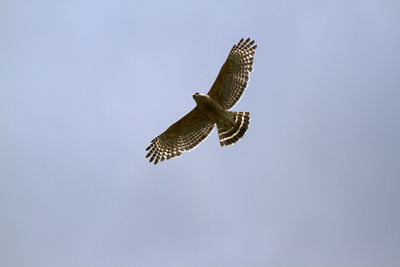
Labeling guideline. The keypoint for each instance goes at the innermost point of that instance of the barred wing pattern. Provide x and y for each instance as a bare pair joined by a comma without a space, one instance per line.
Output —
183,135
232,79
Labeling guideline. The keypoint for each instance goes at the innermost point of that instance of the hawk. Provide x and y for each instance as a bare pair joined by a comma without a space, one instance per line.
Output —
211,109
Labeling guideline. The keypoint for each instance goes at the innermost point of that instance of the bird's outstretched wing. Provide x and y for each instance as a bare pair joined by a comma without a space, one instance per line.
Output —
181,136
232,79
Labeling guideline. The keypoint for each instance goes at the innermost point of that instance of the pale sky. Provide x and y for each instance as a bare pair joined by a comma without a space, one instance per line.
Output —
86,85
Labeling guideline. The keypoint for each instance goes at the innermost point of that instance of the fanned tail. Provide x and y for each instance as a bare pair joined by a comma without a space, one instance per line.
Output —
229,136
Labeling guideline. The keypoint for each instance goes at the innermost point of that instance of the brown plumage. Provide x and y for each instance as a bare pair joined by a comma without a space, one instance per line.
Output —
211,109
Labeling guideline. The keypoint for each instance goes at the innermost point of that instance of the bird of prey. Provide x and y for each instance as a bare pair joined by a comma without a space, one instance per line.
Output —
211,109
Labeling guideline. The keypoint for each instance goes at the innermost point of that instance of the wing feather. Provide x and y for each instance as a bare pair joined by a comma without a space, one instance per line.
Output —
183,135
233,77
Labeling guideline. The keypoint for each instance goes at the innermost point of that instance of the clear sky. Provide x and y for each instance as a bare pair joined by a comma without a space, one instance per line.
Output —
86,85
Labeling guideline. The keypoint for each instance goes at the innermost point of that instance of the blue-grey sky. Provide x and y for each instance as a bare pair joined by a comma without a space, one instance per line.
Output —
86,85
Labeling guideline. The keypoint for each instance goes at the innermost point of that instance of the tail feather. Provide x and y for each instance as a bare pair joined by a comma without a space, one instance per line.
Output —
229,136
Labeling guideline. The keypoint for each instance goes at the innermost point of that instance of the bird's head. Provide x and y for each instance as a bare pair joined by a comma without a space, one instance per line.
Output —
196,96
199,97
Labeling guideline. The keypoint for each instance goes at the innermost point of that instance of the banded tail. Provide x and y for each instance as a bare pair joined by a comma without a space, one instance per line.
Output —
229,136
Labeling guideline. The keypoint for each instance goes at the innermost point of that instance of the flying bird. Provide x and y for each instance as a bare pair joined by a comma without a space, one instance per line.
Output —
211,109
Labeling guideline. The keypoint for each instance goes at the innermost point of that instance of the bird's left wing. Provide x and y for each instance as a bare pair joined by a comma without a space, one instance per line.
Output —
232,79
181,136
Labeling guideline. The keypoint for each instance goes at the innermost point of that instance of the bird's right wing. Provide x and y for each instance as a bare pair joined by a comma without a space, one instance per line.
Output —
181,136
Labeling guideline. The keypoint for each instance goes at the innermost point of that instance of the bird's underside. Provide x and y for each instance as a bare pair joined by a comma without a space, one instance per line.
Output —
211,109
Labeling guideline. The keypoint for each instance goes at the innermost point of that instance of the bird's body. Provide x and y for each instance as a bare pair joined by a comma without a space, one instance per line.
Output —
211,109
